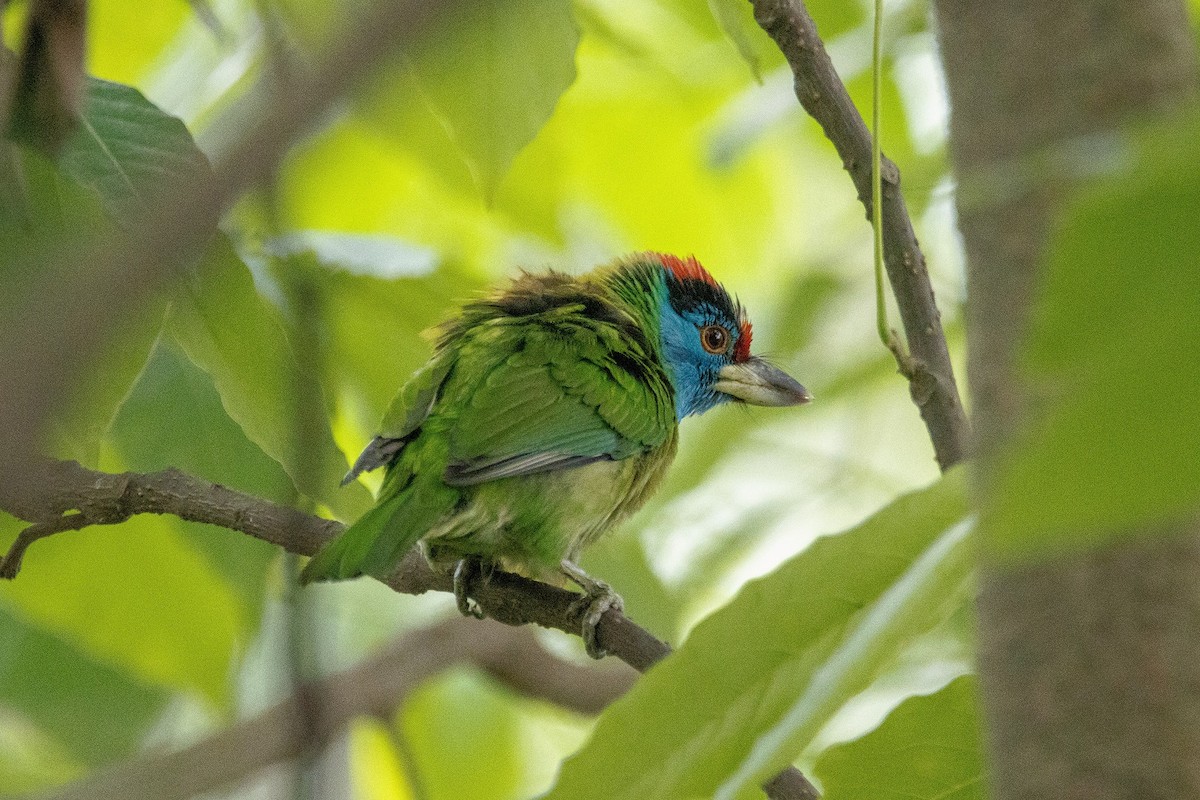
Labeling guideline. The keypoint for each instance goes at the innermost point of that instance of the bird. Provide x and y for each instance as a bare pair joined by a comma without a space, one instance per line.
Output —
547,414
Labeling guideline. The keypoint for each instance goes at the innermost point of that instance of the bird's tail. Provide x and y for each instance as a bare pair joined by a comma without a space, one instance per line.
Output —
345,556
376,543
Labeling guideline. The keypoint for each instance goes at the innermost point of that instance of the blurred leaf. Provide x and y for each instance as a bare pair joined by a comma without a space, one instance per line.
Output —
149,434
98,712
102,386
1112,357
774,664
804,299
31,760
128,150
731,17
622,561
376,772
489,75
55,214
835,17
232,333
134,596
463,738
929,748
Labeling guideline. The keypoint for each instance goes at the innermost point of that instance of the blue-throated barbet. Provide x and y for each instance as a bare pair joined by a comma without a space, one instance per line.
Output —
548,413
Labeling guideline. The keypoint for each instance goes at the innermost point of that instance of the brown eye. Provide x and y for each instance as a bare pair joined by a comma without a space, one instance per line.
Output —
715,339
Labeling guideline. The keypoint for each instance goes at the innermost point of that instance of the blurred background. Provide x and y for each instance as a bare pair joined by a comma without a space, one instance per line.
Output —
551,136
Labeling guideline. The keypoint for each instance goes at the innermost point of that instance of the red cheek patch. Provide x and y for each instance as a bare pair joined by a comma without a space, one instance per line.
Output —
742,351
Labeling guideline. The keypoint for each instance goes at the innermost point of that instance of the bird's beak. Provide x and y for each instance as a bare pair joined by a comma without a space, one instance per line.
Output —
756,382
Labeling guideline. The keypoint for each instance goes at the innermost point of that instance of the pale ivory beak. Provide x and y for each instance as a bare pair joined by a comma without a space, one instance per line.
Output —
756,382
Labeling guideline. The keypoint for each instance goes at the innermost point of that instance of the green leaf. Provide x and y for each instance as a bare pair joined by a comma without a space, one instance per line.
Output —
373,347
128,150
928,748
464,739
127,40
1112,359
135,596
31,760
96,711
731,18
102,386
774,664
231,332
483,81
55,215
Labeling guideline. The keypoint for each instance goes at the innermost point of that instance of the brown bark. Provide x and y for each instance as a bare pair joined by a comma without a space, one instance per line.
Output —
1090,680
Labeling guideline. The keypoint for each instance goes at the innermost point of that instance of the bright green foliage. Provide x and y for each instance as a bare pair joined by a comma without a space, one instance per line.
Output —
731,16
1113,360
774,664
930,748
464,738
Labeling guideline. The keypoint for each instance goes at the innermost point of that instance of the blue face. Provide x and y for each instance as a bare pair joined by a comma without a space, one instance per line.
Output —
699,336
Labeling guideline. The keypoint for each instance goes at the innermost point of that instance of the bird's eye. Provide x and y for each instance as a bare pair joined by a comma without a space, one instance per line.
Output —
715,339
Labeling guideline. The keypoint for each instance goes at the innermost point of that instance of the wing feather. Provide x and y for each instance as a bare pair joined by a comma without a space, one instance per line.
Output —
556,399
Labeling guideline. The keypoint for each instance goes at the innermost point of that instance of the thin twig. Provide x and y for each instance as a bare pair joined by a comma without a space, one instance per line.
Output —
824,97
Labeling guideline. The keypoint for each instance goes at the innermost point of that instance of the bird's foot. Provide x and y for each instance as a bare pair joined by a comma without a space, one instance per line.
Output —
598,597
470,574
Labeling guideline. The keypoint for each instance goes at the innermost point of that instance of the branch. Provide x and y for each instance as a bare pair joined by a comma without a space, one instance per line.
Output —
823,95
317,712
73,492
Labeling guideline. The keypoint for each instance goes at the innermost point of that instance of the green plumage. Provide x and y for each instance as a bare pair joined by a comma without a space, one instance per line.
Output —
545,416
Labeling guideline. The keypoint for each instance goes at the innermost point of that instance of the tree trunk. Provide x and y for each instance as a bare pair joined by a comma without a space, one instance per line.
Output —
1091,681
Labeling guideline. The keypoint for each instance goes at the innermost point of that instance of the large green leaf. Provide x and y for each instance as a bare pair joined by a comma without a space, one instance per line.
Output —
95,710
1113,360
929,748
773,665
231,332
128,150
483,82
136,596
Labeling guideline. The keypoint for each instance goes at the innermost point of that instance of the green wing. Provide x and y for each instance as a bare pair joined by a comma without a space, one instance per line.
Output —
404,416
564,396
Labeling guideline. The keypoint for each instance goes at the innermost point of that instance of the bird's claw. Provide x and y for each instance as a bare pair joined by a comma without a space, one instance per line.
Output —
469,574
598,597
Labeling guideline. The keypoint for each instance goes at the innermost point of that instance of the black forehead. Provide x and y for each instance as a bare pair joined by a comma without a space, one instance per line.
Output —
690,294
